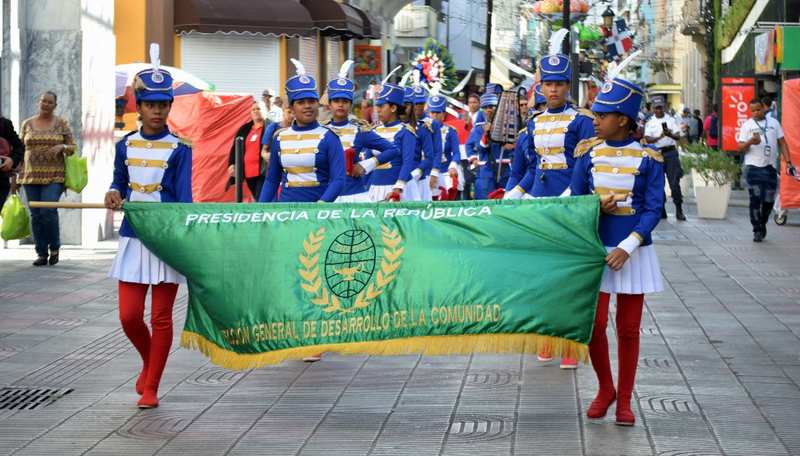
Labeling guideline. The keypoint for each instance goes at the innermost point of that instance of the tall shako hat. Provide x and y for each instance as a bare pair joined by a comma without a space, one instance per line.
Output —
342,87
301,86
556,66
390,93
153,84
619,95
436,102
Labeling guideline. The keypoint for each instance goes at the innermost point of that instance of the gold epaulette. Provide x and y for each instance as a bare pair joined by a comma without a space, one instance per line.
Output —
654,154
335,131
533,115
586,112
585,145
362,125
411,129
521,131
279,131
428,123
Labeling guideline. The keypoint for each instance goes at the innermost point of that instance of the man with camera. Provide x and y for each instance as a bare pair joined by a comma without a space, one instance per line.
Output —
761,141
663,132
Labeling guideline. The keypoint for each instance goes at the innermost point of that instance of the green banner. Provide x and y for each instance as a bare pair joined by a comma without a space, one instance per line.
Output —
269,282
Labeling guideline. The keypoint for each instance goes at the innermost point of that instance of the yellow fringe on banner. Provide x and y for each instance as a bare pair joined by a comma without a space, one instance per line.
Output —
528,344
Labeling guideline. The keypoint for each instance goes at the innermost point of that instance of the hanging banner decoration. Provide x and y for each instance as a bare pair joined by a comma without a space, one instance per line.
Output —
367,60
269,282
736,96
789,193
619,39
764,45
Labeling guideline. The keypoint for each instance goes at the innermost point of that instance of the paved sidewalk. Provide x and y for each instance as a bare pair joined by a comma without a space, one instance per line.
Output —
719,373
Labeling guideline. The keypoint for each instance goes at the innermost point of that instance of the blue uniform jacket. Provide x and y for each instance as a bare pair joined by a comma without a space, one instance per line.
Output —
635,174
451,152
363,139
155,168
553,135
307,162
397,166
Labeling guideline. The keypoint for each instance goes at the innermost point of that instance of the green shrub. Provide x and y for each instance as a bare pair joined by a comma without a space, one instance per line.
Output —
711,164
728,26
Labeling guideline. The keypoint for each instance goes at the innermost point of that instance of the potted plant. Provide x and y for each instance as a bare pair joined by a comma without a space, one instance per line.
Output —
713,171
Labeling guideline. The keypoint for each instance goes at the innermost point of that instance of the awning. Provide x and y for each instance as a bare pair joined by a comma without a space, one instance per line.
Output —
372,28
273,17
335,19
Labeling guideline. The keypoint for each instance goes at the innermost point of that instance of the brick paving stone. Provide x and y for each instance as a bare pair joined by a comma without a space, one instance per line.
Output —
719,373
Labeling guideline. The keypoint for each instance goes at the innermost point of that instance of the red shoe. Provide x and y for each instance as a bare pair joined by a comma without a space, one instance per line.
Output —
599,406
569,363
625,415
149,399
140,382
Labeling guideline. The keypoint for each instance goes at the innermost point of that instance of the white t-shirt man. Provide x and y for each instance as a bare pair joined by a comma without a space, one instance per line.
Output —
653,128
764,153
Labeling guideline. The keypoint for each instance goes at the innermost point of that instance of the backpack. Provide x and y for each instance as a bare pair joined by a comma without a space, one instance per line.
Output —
713,127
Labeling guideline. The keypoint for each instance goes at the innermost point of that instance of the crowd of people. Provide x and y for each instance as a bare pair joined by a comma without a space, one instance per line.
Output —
413,153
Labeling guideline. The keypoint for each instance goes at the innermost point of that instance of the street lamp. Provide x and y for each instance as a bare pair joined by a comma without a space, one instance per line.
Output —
608,17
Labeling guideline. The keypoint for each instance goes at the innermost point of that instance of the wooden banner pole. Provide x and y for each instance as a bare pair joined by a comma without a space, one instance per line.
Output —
65,205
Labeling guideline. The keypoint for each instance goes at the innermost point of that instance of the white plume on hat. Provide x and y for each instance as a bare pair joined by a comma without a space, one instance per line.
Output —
386,79
556,39
617,70
155,58
299,67
345,69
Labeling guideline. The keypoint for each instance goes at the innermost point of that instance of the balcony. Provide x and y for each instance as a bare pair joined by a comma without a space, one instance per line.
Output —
692,14
416,22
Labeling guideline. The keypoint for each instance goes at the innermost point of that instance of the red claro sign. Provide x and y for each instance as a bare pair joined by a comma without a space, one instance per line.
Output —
736,96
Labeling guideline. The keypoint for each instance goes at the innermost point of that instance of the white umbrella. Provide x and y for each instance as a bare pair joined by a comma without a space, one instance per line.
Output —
125,74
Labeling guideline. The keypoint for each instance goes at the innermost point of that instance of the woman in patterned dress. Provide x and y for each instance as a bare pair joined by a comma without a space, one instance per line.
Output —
48,139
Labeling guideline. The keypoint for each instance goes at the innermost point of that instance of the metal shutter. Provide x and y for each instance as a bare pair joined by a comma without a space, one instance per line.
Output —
308,56
332,60
233,63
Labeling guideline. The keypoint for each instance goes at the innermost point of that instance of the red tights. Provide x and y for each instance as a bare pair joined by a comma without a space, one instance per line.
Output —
154,348
629,317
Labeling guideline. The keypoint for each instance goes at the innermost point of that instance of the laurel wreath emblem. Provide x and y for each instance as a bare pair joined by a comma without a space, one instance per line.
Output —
312,282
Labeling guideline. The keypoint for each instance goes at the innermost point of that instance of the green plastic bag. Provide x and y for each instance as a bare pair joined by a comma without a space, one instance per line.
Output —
16,220
76,173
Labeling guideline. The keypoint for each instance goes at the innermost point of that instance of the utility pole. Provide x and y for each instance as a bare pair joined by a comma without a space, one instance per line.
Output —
567,49
487,56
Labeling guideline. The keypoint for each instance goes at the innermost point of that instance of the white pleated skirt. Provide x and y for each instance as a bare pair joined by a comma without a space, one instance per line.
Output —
641,274
355,198
378,193
135,263
424,186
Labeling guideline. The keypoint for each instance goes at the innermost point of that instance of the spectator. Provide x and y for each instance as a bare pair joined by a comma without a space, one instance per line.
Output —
648,111
711,128
699,118
761,141
278,102
474,105
663,131
254,165
10,161
366,109
692,126
271,112
47,140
